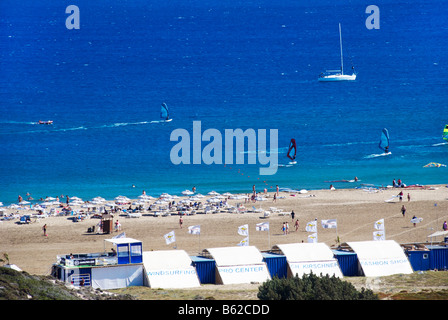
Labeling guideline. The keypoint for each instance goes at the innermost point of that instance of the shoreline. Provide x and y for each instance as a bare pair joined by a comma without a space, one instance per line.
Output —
356,210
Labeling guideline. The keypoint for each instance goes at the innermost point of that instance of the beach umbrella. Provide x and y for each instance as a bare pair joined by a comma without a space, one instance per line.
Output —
50,203
110,204
24,202
160,201
121,198
145,197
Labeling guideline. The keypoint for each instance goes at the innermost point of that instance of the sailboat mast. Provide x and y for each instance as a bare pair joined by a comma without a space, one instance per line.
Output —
340,44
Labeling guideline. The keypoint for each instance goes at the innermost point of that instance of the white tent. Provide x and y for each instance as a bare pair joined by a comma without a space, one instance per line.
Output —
239,265
116,277
304,258
381,258
438,234
169,269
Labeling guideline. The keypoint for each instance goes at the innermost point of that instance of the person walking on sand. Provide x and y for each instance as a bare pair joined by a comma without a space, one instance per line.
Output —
44,228
181,222
409,197
403,210
297,224
414,217
445,226
292,215
117,226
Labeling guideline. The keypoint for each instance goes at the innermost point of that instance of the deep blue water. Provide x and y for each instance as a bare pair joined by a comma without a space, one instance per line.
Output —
229,64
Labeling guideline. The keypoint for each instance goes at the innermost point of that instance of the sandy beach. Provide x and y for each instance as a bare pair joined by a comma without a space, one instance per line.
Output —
356,210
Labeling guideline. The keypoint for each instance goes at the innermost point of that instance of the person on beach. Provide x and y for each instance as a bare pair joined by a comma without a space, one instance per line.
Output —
409,197
292,215
403,210
414,217
44,228
275,197
297,224
117,226
445,226
400,195
181,222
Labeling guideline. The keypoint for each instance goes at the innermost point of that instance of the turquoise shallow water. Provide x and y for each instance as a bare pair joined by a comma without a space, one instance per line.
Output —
248,65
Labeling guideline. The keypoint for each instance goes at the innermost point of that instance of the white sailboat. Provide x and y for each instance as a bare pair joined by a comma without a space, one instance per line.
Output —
338,75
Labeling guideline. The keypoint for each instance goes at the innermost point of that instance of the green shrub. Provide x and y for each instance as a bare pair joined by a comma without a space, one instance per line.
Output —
312,287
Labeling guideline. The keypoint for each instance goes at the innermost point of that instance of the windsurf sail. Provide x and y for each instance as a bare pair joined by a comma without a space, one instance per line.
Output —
164,112
384,141
292,151
445,133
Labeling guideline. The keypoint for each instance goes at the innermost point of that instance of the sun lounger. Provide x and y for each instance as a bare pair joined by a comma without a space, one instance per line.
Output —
266,215
134,215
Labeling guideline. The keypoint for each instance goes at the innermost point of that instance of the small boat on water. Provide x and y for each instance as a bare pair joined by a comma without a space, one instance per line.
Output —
338,75
45,122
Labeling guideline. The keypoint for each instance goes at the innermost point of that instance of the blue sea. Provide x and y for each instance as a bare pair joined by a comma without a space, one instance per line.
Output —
229,64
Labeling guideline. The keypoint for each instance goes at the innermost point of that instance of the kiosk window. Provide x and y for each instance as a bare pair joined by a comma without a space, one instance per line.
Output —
136,250
123,251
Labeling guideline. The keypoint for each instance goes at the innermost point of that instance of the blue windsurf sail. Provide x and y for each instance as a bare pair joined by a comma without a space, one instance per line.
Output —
292,151
164,112
384,141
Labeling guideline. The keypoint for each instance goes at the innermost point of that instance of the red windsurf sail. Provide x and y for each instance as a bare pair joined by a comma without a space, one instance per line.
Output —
292,151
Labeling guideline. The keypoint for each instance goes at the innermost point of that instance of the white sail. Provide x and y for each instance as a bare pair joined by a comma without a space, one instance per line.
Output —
338,75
